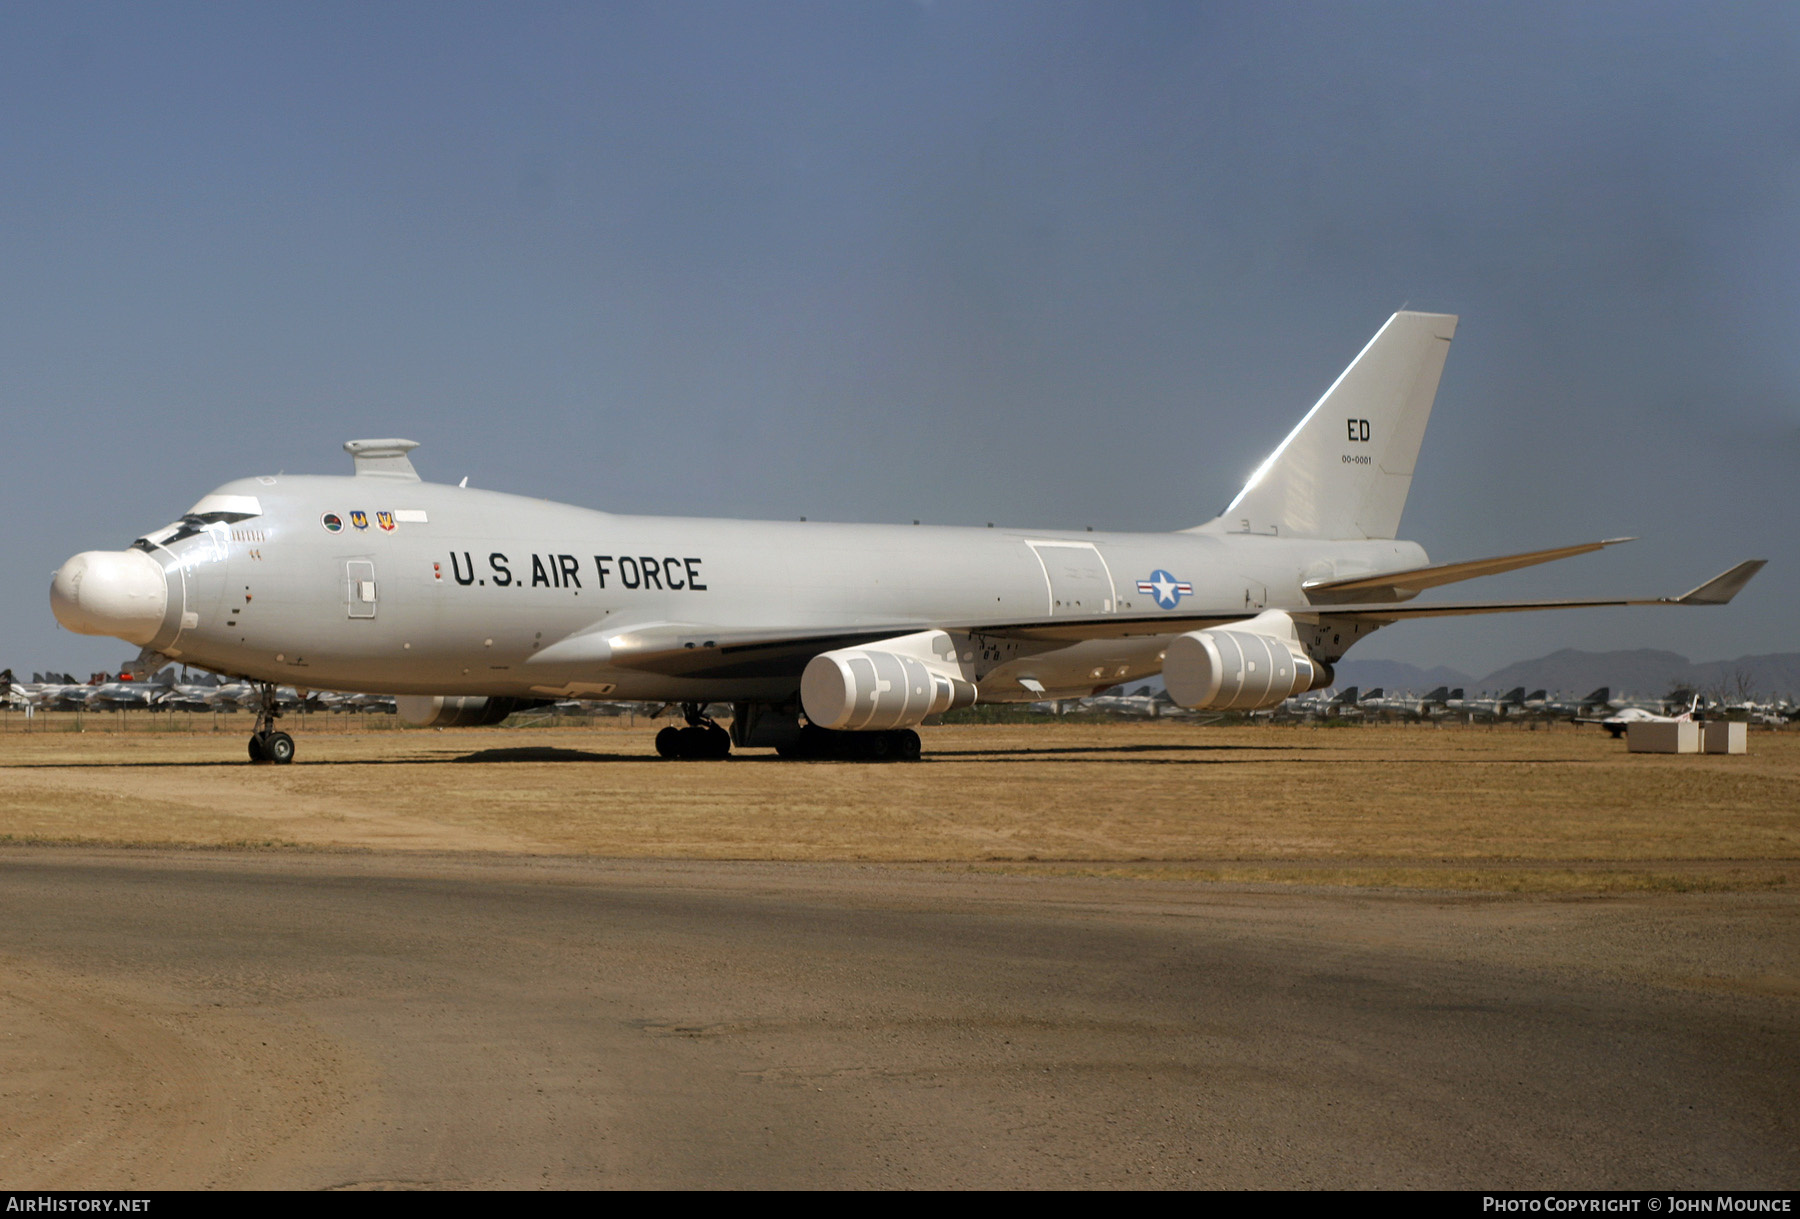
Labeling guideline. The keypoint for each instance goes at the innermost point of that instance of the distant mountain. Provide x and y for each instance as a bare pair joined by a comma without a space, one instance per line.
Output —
1641,671
1644,672
1648,672
1397,675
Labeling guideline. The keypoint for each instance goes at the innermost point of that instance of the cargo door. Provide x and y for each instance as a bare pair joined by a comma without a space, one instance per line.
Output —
1079,581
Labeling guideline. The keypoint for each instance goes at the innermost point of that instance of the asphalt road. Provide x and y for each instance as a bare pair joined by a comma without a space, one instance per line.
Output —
363,1020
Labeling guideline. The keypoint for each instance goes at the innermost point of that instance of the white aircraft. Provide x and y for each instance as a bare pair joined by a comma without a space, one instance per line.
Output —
1620,721
827,640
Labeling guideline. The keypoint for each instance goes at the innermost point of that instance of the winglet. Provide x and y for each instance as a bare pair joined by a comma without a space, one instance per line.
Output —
1722,588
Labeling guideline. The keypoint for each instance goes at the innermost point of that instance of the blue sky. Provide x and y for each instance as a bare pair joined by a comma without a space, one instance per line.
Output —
1041,264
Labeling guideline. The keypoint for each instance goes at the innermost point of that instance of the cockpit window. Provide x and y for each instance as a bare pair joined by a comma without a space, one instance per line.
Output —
213,510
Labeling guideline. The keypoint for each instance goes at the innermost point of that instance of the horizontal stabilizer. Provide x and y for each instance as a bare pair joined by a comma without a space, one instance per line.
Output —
1400,585
1716,591
1721,589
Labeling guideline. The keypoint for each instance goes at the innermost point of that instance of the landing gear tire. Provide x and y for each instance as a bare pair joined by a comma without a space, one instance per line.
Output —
266,744
697,743
276,747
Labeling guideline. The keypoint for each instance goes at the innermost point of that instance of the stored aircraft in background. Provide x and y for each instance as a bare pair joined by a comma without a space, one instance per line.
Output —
1494,706
1405,705
1596,699
826,639
121,693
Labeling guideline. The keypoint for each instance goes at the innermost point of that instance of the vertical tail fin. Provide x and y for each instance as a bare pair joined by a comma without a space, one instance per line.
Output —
1344,472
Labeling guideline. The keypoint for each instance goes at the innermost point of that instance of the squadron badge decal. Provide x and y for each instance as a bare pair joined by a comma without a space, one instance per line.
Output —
360,519
385,520
331,522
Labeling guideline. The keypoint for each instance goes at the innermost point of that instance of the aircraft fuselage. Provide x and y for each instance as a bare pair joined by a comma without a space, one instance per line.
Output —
389,586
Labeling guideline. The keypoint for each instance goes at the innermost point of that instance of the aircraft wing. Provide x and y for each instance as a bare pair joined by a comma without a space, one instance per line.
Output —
697,650
687,649
1717,591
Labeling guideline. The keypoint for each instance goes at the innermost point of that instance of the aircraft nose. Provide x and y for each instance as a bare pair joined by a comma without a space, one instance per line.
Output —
122,593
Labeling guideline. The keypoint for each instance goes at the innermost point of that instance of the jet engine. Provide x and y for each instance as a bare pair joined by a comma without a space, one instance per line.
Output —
878,688
1241,669
458,710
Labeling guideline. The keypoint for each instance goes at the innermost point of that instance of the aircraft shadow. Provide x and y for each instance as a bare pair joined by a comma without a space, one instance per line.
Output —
1050,750
529,754
491,755
547,753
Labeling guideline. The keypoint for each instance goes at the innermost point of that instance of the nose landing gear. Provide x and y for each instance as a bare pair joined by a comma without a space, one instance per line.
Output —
266,744
275,747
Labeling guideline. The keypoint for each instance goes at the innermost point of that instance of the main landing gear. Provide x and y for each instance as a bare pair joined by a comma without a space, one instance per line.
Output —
701,741
822,744
761,725
266,744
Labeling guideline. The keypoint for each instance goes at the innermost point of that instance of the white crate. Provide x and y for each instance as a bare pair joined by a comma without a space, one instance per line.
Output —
1663,736
1721,736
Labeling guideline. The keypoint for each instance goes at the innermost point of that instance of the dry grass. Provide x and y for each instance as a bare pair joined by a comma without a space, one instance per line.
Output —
1455,808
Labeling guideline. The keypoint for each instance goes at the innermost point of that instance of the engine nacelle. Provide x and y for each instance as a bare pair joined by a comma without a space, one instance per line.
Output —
891,686
1237,670
457,710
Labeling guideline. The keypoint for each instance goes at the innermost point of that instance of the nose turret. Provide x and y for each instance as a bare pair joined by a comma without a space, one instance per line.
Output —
122,593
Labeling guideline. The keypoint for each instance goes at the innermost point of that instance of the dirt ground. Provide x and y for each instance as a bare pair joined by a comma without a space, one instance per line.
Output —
379,1020
1503,808
1047,955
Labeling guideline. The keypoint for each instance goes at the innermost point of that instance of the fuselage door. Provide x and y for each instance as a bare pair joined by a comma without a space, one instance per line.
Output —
359,587
1080,584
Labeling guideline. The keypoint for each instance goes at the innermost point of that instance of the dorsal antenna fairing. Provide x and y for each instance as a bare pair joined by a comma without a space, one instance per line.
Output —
383,458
